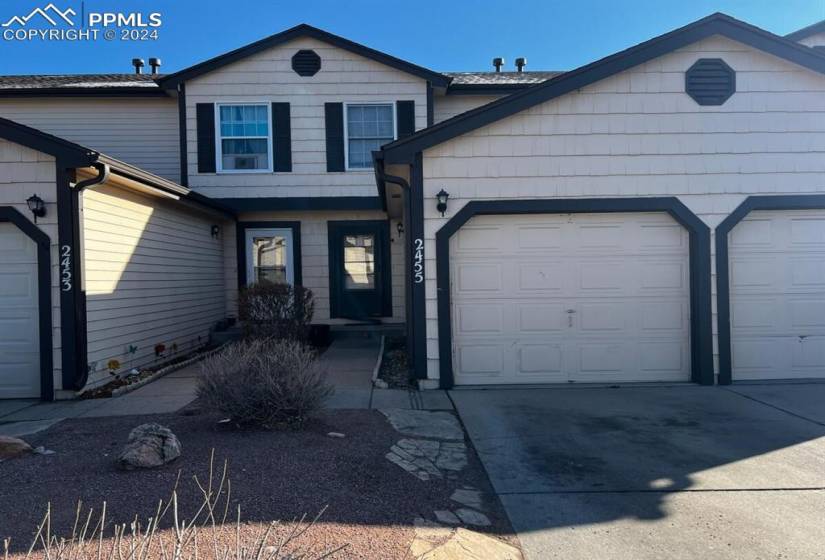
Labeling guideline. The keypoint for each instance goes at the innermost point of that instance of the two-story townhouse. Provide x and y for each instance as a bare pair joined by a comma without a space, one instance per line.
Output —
652,216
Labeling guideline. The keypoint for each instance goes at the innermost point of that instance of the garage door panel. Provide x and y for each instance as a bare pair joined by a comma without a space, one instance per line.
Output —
777,295
19,318
475,277
623,276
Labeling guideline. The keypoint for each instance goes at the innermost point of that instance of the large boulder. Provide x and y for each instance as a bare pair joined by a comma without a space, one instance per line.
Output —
150,445
11,447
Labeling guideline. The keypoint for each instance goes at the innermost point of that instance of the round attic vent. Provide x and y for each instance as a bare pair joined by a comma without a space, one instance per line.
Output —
306,63
710,81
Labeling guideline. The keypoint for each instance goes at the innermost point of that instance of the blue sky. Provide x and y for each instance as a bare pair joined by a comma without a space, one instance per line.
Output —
439,34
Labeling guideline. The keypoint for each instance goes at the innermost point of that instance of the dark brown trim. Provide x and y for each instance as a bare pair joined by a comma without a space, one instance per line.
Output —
302,30
252,204
805,32
84,92
44,295
417,272
71,154
701,338
184,154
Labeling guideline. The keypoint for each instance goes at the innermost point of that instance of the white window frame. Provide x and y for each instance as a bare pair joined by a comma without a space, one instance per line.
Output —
347,105
219,138
286,233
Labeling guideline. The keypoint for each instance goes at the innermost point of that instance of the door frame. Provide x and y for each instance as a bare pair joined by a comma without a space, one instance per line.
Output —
44,297
751,203
240,234
384,281
701,338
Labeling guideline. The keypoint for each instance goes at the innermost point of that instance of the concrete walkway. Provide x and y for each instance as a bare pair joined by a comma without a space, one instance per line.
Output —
349,362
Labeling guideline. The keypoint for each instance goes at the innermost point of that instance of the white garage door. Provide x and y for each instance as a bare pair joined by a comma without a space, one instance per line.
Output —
570,298
19,331
777,295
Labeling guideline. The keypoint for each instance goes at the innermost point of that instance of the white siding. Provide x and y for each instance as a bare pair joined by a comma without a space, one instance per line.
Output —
24,172
268,77
638,134
140,131
153,274
448,106
315,256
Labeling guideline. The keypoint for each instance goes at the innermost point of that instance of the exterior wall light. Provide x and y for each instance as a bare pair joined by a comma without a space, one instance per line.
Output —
216,231
36,206
399,227
442,197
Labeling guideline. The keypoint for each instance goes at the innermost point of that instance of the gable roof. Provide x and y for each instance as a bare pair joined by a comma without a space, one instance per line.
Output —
302,30
496,83
68,152
402,151
800,34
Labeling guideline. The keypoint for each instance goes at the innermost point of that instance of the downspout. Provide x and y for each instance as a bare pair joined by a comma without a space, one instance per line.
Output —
81,361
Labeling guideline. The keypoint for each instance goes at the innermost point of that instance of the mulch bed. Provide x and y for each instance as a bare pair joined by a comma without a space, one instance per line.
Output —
371,502
395,368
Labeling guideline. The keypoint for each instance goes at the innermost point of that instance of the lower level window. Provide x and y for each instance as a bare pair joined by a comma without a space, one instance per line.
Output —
269,256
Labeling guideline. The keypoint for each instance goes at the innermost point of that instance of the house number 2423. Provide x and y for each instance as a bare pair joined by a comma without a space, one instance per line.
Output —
418,261
66,268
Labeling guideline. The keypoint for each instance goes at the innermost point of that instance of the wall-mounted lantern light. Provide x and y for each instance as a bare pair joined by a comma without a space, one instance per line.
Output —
216,231
36,206
442,197
399,227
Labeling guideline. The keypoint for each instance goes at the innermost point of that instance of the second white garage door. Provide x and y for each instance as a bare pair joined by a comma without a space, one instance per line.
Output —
570,298
777,295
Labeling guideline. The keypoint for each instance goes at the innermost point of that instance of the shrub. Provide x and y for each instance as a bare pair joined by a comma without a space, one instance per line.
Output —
263,382
276,310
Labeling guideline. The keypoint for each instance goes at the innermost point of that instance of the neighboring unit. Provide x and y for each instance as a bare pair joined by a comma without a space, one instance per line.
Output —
655,216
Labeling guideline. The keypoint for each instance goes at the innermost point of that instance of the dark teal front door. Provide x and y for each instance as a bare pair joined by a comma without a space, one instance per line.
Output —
359,269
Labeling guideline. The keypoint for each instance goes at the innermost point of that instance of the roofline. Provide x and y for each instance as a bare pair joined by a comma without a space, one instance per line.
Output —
302,30
487,89
402,151
69,153
84,92
813,29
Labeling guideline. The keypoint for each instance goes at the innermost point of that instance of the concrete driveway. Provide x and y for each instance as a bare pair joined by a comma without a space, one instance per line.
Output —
656,472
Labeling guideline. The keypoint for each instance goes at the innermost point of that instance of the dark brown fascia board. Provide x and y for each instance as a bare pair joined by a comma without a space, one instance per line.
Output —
818,27
402,151
303,30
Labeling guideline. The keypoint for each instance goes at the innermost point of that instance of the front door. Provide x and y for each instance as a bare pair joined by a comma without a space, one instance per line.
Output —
359,268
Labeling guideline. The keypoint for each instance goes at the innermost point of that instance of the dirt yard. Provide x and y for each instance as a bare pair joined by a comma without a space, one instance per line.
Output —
371,503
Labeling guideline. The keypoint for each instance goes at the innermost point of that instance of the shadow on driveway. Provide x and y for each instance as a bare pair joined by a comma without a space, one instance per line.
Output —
652,472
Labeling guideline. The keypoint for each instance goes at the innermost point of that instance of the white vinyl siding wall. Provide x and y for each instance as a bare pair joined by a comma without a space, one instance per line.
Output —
140,131
315,256
24,172
448,106
153,275
268,76
638,134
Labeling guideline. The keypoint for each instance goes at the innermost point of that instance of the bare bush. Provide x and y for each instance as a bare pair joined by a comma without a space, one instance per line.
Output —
276,311
171,534
263,382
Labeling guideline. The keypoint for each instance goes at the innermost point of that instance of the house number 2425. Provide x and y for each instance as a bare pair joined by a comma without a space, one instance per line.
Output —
418,261
66,268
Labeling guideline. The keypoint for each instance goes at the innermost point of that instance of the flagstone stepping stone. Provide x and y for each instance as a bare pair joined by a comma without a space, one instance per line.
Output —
425,423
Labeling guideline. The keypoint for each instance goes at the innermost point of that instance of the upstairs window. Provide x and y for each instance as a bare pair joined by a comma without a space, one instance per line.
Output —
244,138
368,127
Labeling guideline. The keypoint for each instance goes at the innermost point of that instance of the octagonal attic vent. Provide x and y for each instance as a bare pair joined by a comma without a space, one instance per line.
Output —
306,63
710,81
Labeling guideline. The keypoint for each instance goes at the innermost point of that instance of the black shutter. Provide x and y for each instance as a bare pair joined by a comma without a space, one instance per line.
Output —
334,117
206,137
405,112
281,138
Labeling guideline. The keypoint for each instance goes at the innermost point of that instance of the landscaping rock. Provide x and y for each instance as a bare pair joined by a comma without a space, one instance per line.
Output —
428,535
469,498
469,545
11,447
426,459
424,423
150,445
473,517
447,517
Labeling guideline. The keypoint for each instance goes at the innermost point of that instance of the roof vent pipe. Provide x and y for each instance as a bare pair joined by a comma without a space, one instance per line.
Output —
521,62
498,62
155,64
138,64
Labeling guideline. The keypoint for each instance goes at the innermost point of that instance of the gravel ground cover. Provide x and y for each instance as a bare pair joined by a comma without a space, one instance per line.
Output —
275,475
